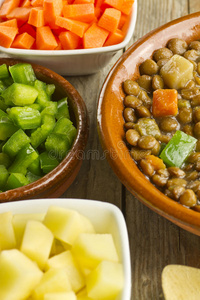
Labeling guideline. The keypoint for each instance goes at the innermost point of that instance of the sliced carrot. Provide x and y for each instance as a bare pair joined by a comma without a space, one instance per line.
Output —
110,19
45,39
52,9
7,6
80,12
112,3
37,3
36,17
59,47
7,35
127,6
29,29
10,23
165,102
83,1
74,26
94,37
98,12
20,13
98,3
122,21
69,40
26,3
156,162
114,38
23,41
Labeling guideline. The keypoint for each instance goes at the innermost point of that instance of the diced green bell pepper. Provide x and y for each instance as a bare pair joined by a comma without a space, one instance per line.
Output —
178,149
7,128
51,109
147,126
25,117
2,86
4,174
15,143
23,159
63,110
43,98
32,177
50,89
19,94
57,145
3,106
7,81
35,168
64,126
16,180
4,71
41,133
23,73
5,160
48,162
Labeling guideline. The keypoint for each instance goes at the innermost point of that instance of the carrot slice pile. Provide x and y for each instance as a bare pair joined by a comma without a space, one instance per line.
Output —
63,24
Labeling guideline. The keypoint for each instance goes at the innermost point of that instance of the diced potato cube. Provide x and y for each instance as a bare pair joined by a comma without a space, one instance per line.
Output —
57,247
18,275
37,242
82,295
7,235
66,261
60,296
165,103
19,223
106,281
147,126
176,72
90,249
53,281
65,224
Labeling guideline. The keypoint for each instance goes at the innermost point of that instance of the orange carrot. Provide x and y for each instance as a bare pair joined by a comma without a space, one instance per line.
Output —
29,29
114,38
83,1
94,37
80,12
127,6
52,9
74,26
69,40
165,102
26,3
7,6
122,21
45,39
7,35
110,19
23,41
37,3
59,47
112,3
20,13
36,17
10,23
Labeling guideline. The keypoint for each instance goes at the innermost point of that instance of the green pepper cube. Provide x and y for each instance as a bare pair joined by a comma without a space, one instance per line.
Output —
64,126
50,89
15,143
57,145
3,106
5,160
178,149
23,159
7,81
35,168
50,109
63,110
23,73
43,98
25,117
7,128
32,177
147,126
48,162
4,71
2,86
16,180
4,174
19,94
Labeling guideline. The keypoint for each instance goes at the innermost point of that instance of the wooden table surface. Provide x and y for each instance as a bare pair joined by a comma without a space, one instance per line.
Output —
154,241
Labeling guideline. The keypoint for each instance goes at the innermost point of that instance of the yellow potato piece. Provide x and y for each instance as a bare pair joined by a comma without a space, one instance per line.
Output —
7,235
60,296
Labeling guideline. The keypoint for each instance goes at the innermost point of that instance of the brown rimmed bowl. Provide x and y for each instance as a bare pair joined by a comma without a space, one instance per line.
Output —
55,183
111,123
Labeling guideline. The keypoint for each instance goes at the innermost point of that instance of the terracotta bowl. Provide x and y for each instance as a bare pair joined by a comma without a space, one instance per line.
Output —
55,183
110,120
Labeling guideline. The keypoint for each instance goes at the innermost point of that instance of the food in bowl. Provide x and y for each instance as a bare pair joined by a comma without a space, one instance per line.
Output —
67,252
162,122
58,25
36,132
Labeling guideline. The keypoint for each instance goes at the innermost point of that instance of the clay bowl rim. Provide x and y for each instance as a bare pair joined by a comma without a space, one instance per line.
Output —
110,121
73,158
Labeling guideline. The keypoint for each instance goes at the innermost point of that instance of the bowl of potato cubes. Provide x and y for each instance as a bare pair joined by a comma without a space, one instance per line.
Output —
61,249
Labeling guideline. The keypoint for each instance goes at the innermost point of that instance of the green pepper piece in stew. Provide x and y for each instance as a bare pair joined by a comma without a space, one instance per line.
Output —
178,149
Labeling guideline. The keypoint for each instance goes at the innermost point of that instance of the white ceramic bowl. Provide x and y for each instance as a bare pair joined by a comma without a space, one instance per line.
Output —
74,62
106,218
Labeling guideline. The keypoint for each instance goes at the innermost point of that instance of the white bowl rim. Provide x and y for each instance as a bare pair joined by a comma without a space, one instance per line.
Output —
106,49
41,205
